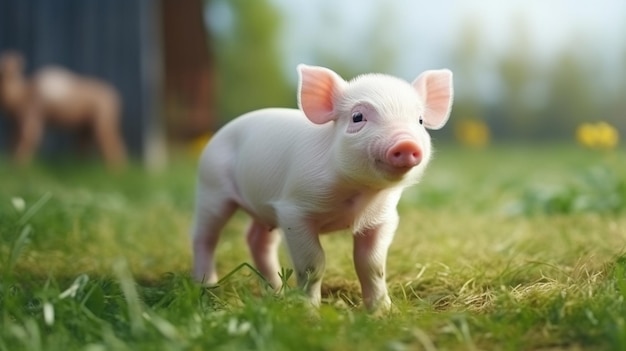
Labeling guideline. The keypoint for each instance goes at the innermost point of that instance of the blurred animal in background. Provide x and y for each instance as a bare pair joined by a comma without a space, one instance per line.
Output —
61,98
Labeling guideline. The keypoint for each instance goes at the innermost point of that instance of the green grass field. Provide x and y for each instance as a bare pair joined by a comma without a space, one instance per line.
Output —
511,248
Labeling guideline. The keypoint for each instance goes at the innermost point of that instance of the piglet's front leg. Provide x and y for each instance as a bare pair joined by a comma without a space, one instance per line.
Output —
306,254
370,255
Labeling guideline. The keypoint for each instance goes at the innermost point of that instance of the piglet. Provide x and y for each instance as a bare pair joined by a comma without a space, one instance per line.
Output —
340,162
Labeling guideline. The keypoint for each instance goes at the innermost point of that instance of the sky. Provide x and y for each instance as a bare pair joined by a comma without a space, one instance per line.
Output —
425,33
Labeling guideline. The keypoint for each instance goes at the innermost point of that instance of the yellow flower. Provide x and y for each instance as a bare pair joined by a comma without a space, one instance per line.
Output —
472,132
197,144
599,136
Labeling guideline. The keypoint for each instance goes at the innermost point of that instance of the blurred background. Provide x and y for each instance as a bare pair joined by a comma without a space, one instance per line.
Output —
525,71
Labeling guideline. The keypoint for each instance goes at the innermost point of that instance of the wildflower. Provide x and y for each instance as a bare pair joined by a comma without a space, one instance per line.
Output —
18,204
472,132
598,136
197,144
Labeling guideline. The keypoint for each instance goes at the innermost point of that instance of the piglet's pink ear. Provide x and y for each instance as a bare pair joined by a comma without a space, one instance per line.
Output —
317,91
435,87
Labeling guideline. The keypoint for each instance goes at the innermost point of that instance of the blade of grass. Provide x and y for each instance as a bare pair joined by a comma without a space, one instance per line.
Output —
34,208
18,247
238,268
127,284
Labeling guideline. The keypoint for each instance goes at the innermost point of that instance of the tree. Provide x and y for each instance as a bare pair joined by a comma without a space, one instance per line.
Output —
518,73
571,93
373,50
468,104
618,105
249,74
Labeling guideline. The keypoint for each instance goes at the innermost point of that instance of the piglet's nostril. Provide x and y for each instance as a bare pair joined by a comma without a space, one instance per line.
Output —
399,154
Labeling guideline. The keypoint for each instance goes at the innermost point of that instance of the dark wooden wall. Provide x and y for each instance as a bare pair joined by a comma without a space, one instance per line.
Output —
116,40
189,70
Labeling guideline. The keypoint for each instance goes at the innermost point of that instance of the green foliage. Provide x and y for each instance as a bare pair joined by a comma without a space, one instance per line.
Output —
518,72
249,65
598,189
574,95
518,91
537,97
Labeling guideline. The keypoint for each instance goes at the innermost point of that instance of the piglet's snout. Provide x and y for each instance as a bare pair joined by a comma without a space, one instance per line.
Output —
404,154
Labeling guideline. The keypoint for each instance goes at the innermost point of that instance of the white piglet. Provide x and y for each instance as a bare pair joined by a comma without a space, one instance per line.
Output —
340,162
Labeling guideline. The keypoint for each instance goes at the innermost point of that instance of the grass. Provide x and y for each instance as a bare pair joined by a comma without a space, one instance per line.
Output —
503,249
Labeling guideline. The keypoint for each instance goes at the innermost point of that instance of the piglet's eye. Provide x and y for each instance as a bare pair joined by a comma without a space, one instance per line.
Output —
357,117
421,120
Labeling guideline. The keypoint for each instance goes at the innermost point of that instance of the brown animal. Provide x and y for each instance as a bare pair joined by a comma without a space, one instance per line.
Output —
62,98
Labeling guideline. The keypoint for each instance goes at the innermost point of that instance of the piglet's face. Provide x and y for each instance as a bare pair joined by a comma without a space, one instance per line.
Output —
379,120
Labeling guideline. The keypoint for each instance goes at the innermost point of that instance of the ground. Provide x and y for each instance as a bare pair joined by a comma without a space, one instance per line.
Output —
510,247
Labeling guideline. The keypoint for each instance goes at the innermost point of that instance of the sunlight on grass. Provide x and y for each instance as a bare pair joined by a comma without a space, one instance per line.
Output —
94,263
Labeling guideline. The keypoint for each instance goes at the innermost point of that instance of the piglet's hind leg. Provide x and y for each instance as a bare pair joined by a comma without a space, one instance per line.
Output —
212,213
263,243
